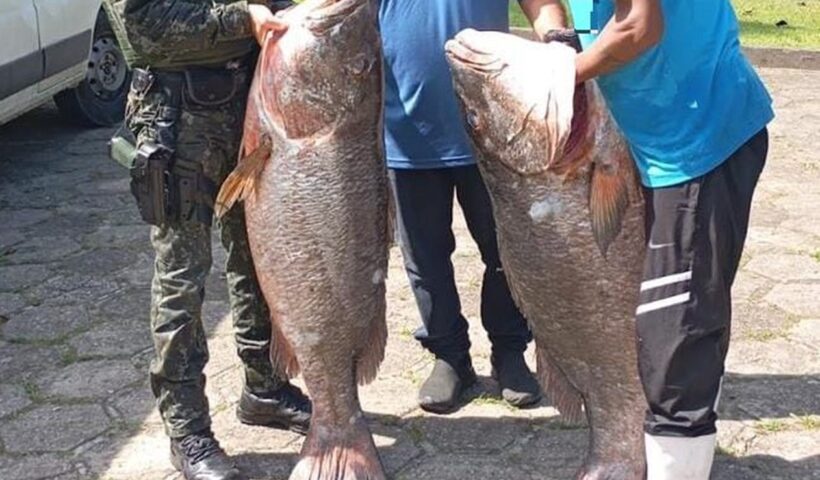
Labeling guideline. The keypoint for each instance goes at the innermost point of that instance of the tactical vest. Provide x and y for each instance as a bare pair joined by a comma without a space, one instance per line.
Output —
142,52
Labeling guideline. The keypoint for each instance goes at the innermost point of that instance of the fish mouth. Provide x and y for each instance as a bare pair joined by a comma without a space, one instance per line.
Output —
462,51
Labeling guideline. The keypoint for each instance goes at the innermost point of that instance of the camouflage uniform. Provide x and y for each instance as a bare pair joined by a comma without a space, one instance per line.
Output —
175,35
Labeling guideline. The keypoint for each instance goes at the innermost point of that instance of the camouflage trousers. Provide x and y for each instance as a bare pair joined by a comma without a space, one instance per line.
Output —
208,135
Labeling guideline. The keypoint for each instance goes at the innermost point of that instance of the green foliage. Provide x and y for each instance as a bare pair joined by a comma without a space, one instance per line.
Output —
758,22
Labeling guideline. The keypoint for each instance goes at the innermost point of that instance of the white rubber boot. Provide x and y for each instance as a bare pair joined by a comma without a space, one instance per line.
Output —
679,458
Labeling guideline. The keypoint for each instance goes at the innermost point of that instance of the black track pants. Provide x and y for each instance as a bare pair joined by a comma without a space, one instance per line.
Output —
696,233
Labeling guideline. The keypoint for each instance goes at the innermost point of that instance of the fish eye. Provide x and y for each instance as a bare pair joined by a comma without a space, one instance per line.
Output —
472,119
360,66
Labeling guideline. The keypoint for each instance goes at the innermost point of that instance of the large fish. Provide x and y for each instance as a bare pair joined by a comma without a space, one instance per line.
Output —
314,184
570,217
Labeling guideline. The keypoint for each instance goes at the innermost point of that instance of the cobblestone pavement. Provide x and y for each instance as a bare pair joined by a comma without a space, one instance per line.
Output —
74,346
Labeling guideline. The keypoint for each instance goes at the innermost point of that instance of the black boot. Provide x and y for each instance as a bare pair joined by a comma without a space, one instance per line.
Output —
442,389
286,408
199,457
518,386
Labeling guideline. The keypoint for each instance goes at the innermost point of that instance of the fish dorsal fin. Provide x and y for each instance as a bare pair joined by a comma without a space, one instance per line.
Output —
613,186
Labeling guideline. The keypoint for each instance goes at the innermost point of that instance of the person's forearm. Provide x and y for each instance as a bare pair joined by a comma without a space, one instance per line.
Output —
636,26
545,15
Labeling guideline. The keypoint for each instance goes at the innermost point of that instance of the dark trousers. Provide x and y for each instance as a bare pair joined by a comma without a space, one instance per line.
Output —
696,233
424,206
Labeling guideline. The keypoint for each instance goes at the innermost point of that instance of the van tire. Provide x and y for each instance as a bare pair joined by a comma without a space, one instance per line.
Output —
99,101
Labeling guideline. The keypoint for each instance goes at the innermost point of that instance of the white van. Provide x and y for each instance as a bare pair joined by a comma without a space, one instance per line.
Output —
63,49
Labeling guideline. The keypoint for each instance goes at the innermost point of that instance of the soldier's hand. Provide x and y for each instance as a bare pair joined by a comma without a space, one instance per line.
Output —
264,22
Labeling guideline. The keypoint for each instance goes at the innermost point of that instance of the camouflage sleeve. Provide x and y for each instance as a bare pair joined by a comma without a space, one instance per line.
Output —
170,27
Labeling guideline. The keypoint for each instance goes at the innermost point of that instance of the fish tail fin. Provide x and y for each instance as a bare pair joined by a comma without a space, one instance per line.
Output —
241,183
346,454
563,395
367,365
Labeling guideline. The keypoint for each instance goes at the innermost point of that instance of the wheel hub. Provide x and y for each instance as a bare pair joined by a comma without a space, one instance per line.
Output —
107,69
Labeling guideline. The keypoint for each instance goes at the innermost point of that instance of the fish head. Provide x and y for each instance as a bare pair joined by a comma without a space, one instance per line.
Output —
323,69
542,145
517,99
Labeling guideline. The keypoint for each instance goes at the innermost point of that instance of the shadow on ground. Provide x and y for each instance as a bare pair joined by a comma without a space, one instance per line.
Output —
755,397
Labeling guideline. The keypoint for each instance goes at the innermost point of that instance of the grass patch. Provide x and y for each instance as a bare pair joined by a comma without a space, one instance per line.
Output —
725,451
33,392
416,434
405,332
517,18
815,255
808,422
758,22
69,356
771,426
765,335
560,424
486,399
414,377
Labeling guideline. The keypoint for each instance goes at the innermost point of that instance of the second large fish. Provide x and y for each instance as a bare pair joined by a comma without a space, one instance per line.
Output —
570,218
314,184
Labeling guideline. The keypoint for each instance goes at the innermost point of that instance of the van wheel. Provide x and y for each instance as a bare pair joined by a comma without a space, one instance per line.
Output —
99,101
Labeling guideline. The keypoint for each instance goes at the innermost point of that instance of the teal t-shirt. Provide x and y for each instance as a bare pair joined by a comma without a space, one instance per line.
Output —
423,125
689,102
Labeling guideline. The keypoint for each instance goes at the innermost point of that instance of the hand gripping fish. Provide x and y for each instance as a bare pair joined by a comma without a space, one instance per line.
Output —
314,184
570,217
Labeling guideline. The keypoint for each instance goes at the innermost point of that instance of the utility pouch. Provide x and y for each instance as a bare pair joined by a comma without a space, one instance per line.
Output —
195,192
209,87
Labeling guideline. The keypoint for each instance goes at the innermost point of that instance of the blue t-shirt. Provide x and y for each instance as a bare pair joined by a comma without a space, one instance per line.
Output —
423,124
692,100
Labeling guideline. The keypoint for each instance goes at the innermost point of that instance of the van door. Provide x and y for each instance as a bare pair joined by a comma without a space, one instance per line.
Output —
66,28
21,61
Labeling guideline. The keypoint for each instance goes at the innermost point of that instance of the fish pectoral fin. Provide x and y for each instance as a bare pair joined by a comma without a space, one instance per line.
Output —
241,183
563,395
611,192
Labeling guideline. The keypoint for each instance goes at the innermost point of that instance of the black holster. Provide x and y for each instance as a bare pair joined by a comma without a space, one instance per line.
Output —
151,183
